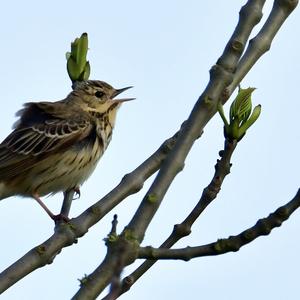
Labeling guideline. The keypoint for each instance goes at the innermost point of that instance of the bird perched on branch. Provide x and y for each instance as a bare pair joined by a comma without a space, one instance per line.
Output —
55,146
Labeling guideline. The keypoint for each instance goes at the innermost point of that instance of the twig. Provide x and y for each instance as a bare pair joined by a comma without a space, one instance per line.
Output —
233,243
261,43
109,270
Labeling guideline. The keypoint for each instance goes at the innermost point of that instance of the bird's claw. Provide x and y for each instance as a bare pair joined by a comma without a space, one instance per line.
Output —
59,218
77,193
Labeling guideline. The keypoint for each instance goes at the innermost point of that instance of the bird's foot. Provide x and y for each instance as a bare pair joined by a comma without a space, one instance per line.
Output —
77,193
60,218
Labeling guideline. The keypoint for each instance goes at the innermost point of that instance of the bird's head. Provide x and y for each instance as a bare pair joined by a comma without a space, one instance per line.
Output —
98,96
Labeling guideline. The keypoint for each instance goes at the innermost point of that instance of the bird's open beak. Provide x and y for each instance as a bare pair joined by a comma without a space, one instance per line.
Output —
119,91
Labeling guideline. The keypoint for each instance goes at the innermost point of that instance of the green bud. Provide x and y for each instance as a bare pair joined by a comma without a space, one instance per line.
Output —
152,198
82,49
77,65
73,70
254,116
240,115
241,107
74,48
86,71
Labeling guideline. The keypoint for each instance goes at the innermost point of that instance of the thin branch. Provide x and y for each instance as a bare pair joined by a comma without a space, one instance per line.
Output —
112,266
109,271
107,267
233,243
115,285
261,43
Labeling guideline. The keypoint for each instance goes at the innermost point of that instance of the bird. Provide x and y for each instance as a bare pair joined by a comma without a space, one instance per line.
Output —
55,146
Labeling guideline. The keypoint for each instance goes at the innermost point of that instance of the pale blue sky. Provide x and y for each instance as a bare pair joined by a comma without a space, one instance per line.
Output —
164,49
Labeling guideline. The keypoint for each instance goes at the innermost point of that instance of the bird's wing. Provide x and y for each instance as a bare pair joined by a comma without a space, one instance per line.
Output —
40,131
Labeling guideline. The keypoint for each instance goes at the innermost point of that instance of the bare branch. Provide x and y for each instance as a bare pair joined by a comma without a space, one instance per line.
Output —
233,243
121,251
261,43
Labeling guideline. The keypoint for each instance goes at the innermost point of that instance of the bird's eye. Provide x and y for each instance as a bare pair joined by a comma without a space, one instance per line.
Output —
99,94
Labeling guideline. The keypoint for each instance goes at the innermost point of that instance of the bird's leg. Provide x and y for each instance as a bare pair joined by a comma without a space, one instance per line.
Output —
43,205
68,198
54,217
66,206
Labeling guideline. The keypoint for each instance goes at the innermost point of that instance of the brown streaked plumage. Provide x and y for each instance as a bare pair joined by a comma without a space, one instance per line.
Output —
55,146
